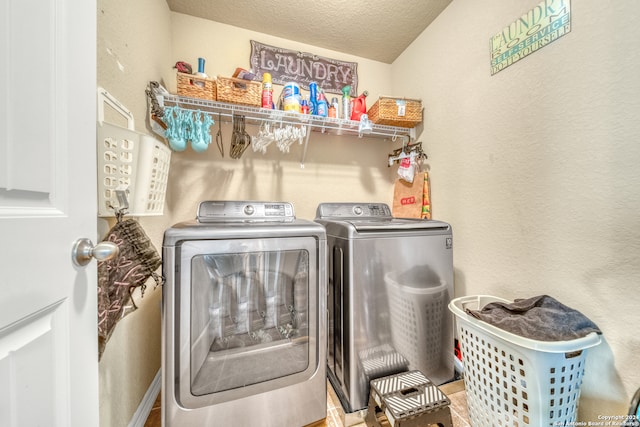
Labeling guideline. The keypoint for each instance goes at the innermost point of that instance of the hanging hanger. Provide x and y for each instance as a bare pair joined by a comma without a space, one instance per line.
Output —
123,202
405,151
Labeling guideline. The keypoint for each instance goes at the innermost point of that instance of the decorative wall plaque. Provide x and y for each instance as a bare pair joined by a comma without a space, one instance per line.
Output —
546,22
288,66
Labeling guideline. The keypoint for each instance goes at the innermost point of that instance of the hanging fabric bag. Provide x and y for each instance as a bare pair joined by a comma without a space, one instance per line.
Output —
137,260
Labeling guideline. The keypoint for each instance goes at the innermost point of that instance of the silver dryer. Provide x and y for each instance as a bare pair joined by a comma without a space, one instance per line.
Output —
244,318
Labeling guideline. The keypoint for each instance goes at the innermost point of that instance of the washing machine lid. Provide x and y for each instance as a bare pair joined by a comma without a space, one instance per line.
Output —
397,224
225,211
370,217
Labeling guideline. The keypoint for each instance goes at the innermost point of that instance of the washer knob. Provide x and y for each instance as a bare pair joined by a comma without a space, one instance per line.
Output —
249,210
357,210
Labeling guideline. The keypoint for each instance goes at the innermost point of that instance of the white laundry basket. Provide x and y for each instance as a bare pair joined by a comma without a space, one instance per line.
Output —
418,321
512,381
128,161
134,162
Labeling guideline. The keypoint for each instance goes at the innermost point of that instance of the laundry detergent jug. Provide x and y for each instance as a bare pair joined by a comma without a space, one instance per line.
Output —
359,106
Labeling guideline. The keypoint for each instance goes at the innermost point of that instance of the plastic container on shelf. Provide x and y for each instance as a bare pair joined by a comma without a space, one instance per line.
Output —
515,381
267,91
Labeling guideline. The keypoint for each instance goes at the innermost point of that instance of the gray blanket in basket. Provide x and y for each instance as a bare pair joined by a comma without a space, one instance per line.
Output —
541,318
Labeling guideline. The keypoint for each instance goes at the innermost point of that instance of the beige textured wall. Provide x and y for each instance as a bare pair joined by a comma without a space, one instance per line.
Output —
536,168
134,47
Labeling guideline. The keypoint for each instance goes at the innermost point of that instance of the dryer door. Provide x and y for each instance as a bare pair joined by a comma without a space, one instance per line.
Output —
248,317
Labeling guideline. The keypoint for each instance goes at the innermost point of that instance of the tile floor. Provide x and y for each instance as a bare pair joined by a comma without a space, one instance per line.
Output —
455,391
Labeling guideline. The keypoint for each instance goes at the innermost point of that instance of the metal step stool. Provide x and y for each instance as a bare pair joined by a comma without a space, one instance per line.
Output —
408,399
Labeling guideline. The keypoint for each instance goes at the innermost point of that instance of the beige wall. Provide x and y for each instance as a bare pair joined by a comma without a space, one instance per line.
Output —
134,47
536,168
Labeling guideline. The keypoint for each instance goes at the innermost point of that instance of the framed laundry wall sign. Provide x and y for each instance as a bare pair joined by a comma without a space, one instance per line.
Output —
287,66
547,22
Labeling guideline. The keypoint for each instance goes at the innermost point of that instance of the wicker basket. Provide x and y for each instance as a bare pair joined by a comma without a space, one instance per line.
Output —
196,87
401,112
239,91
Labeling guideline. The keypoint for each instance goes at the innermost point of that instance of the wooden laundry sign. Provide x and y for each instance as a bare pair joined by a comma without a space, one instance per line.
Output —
287,66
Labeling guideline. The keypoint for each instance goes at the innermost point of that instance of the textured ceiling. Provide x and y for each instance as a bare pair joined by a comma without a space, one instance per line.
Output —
375,29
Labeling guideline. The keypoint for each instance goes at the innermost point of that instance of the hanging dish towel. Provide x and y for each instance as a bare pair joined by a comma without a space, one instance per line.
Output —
541,318
137,260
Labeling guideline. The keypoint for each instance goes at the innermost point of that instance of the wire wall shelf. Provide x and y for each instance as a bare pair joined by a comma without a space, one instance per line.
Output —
256,116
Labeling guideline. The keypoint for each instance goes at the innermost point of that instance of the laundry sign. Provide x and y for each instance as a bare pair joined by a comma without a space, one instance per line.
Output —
547,22
287,66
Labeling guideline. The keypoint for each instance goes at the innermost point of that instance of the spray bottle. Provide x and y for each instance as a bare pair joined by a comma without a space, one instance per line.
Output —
267,91
333,108
346,103
323,104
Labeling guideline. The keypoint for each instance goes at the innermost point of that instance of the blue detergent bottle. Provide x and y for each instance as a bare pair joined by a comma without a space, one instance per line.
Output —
313,98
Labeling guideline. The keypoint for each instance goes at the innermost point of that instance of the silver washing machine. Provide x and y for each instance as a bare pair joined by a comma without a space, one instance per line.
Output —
244,318
390,281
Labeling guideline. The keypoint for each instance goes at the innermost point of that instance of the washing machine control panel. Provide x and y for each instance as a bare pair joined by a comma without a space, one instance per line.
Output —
353,210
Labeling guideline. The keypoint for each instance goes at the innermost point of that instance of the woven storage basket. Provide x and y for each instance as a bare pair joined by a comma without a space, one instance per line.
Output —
400,112
196,87
239,91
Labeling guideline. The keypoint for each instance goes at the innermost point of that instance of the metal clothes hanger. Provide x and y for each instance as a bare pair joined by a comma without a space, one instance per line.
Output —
405,151
219,136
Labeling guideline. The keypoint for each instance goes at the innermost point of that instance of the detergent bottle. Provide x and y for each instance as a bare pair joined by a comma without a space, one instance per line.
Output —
313,98
346,103
359,106
322,107
304,106
201,72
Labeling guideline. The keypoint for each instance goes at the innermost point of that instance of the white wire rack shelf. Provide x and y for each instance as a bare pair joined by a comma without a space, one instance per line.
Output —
255,116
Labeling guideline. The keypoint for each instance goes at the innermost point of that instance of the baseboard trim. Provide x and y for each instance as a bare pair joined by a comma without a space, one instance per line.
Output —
142,413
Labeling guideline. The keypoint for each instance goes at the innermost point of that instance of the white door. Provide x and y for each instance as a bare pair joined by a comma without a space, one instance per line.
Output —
48,326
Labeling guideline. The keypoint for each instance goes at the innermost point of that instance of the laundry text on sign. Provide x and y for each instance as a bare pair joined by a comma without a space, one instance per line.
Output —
543,24
287,66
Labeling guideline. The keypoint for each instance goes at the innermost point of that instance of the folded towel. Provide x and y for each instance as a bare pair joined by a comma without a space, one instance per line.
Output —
541,318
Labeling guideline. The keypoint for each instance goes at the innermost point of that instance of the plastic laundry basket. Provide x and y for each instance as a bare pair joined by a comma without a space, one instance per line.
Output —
134,162
512,381
417,317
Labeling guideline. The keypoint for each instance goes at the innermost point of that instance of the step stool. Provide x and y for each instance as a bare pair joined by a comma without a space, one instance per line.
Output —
408,399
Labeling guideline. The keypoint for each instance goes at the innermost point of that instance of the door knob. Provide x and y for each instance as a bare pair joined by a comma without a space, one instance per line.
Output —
83,250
